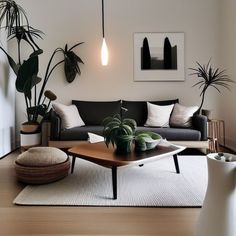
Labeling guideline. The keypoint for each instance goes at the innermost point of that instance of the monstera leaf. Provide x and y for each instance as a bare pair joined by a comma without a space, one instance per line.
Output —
71,64
26,74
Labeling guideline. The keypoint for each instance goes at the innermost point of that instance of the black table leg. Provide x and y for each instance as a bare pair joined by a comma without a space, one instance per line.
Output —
114,181
176,163
73,164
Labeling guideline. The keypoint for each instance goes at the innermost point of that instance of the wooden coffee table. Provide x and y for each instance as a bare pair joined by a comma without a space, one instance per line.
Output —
99,153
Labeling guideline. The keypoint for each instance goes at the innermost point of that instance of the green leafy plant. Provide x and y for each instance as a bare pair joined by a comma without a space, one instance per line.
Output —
14,20
210,77
119,131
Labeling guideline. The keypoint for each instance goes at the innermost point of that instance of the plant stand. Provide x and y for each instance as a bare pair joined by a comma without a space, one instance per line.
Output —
218,214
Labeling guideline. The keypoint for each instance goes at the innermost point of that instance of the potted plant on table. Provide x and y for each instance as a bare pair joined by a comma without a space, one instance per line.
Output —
121,132
209,77
14,20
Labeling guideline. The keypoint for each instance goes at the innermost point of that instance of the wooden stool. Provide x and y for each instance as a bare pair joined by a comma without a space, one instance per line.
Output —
216,134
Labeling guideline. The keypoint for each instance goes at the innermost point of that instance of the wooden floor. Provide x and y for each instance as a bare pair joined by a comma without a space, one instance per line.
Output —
19,220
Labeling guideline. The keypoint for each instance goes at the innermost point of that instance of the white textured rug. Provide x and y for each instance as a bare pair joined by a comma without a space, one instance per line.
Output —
154,185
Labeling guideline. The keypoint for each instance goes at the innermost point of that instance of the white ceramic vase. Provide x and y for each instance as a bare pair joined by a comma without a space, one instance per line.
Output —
218,214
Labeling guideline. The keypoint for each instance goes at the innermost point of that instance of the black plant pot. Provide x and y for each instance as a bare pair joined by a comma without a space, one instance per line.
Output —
206,113
123,146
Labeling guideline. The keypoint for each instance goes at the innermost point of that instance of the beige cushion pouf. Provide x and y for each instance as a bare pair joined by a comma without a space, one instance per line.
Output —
41,165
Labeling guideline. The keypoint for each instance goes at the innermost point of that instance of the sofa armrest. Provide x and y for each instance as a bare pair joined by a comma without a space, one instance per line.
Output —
200,123
55,126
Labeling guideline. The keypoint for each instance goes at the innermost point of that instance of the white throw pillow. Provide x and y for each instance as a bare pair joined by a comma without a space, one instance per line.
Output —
182,116
69,115
158,116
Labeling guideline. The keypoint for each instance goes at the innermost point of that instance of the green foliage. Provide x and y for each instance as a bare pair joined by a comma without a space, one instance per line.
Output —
210,77
119,132
146,140
115,126
14,20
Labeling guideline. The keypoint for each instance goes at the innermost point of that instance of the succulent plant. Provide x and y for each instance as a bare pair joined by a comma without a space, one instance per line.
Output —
119,131
146,140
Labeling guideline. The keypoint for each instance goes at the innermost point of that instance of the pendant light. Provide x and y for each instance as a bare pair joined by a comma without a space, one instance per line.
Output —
104,50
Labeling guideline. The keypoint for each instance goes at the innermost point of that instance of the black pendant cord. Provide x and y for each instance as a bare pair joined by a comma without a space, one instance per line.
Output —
103,34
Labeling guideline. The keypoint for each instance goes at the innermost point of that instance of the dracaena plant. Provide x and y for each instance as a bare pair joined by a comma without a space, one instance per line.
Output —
209,76
14,20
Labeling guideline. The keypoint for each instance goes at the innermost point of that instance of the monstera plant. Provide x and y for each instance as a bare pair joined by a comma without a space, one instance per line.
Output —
14,20
119,132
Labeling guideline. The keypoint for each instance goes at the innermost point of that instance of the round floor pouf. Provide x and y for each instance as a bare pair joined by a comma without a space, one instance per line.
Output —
41,165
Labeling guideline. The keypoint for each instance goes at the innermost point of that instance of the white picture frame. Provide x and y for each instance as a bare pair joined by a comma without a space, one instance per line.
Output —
171,68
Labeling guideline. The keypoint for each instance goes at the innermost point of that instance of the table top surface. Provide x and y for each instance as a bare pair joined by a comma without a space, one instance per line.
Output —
100,154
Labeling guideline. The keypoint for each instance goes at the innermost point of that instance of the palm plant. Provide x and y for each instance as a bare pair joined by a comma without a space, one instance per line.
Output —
14,20
119,131
210,77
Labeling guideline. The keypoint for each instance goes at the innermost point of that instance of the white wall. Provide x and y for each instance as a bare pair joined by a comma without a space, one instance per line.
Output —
7,104
228,61
80,20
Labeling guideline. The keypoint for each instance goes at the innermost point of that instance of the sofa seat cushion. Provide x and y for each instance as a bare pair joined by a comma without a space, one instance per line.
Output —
93,113
80,133
175,133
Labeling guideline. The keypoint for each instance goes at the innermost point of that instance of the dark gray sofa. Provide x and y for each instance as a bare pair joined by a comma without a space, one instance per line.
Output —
93,113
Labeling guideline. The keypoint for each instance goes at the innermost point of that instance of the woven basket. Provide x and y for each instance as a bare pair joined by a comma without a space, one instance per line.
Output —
42,174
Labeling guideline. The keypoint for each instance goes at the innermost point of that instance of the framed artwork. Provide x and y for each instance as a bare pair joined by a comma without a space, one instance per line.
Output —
159,57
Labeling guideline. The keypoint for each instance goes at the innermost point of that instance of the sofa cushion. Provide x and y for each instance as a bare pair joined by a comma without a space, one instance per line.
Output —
158,116
182,116
174,134
69,115
93,113
137,110
80,133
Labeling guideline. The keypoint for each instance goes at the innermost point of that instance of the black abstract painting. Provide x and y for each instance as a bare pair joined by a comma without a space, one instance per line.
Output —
158,58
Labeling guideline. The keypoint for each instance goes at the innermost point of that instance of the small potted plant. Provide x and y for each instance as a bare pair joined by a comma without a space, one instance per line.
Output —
119,132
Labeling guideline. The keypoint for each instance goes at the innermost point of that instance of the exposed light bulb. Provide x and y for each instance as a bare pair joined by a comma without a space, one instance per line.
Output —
104,53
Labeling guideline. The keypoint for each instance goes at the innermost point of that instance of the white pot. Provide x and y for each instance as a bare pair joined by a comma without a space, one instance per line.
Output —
28,140
218,214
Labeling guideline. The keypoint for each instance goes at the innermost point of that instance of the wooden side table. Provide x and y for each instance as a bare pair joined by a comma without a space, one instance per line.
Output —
216,134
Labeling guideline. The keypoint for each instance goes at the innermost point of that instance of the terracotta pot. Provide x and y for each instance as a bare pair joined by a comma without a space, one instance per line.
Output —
30,127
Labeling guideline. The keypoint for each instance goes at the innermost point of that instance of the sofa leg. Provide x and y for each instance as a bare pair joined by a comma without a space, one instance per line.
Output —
176,163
